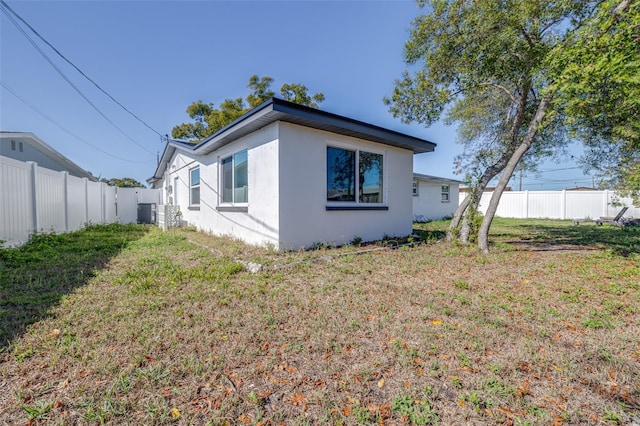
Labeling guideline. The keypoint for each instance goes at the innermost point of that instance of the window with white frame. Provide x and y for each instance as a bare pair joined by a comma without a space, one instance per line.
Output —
354,176
194,186
235,178
415,189
444,194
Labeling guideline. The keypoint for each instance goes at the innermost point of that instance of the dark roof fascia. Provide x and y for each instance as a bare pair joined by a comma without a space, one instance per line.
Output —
280,110
418,176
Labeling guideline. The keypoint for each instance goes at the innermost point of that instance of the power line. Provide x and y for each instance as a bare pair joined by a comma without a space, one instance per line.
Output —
78,69
10,90
44,55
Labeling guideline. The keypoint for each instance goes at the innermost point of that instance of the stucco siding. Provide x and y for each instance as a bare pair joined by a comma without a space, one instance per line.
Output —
259,223
428,204
304,219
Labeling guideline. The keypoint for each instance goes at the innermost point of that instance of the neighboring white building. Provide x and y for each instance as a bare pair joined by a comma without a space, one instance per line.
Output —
290,176
434,197
25,146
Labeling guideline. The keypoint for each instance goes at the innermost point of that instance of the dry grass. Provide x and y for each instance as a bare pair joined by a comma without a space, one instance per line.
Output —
544,330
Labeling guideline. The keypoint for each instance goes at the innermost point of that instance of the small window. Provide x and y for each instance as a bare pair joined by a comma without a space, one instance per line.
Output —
235,178
445,194
194,187
176,184
13,145
345,168
415,189
20,146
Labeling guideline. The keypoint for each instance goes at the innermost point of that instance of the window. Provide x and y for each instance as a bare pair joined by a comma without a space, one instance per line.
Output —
444,194
13,145
176,182
194,187
235,178
20,147
342,165
415,189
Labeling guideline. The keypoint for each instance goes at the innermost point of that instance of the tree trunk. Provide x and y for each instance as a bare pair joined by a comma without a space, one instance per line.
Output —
457,215
483,235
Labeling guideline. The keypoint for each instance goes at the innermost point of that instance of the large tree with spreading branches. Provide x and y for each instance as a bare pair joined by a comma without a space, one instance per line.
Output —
500,70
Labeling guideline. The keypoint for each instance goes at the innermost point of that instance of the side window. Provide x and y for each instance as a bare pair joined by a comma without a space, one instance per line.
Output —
415,189
354,176
445,194
176,181
341,169
235,178
194,186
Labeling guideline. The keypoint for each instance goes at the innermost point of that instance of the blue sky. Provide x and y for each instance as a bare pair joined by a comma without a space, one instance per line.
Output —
156,57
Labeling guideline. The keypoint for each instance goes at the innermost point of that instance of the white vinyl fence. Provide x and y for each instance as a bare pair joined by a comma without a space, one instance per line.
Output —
35,199
559,204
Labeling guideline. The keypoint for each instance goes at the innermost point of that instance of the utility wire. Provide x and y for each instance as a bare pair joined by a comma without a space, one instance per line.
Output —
78,69
44,55
10,90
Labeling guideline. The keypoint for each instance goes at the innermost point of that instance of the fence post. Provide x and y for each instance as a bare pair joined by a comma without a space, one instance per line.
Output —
65,176
526,204
605,206
34,194
563,204
86,201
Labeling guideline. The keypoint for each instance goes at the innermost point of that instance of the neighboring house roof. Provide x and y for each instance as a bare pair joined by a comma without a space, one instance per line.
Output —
487,189
279,110
428,178
581,188
38,144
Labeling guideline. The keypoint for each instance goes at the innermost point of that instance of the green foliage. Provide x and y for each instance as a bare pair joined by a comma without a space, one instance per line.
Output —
598,76
126,182
208,119
507,74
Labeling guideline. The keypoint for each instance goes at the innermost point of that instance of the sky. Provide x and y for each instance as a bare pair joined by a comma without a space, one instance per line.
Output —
157,57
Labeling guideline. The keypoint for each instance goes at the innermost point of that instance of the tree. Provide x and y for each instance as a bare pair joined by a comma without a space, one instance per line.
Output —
599,90
297,93
493,68
126,182
208,119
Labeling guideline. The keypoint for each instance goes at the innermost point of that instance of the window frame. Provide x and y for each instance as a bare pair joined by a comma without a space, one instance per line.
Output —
356,204
415,188
193,186
223,202
445,191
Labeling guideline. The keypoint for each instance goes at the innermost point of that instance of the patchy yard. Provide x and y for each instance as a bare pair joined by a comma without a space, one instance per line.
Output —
170,328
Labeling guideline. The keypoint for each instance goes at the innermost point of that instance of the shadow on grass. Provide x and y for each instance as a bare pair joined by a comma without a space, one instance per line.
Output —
35,276
622,241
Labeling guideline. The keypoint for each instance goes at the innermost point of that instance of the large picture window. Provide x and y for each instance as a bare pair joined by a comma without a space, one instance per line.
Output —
354,176
194,186
235,179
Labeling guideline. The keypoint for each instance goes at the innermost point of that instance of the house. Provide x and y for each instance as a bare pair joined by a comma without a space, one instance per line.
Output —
434,197
292,176
25,146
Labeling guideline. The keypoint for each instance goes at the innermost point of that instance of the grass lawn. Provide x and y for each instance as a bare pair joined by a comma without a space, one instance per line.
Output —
128,325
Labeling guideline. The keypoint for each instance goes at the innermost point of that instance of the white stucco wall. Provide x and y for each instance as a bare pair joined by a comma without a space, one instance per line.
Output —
259,225
428,203
304,219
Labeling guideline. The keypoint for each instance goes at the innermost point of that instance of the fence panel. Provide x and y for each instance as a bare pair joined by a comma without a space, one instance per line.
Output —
16,212
559,204
76,202
33,198
94,202
50,200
